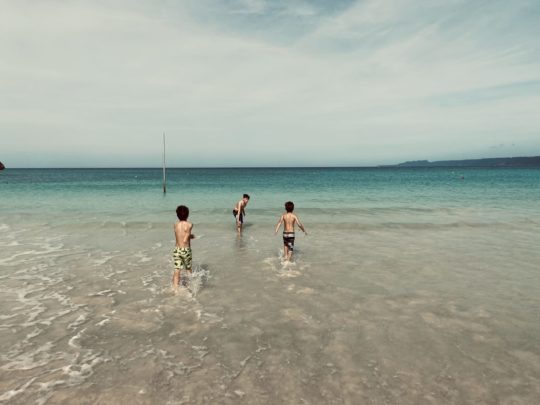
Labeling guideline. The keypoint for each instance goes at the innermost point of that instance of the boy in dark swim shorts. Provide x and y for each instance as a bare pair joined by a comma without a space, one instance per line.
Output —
239,211
289,220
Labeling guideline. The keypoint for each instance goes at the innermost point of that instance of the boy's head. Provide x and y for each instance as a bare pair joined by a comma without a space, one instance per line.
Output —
289,206
246,197
182,212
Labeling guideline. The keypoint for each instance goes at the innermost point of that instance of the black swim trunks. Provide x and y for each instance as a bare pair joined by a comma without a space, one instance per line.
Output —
288,240
241,218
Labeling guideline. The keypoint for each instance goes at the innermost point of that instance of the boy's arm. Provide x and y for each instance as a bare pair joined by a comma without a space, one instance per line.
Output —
191,235
187,234
238,210
300,225
279,223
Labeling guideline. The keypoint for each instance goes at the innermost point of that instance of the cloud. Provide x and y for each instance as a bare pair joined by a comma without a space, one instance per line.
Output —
261,83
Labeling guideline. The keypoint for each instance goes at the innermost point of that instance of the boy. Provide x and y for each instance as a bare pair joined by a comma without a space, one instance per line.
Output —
182,252
290,220
239,211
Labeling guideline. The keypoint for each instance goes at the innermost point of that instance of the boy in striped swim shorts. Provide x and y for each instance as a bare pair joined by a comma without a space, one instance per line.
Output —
182,252
289,220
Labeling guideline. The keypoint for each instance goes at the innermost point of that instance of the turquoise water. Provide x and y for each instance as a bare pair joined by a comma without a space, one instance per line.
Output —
132,193
413,286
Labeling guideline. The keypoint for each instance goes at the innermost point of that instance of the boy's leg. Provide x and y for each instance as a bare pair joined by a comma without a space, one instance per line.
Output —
239,223
285,252
177,266
187,262
290,248
176,279
289,253
183,281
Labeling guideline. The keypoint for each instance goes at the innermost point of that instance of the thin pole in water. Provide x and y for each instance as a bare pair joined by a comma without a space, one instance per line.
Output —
164,174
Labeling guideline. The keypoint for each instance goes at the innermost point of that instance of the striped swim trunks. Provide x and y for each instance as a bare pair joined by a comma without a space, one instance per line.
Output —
288,240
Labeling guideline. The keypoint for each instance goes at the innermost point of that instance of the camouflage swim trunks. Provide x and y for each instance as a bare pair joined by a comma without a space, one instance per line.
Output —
182,258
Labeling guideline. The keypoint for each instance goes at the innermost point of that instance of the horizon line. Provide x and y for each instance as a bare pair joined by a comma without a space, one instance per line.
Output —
394,165
198,167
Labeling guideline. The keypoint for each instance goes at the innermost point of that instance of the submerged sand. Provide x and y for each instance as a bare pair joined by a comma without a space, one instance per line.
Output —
376,315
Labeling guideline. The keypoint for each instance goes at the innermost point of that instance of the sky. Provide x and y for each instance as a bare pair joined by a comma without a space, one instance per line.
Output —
267,83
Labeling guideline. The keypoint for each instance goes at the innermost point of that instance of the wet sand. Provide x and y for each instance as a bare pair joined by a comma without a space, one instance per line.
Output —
385,315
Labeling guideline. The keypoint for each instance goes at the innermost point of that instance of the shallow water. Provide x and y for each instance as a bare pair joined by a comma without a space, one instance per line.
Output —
412,287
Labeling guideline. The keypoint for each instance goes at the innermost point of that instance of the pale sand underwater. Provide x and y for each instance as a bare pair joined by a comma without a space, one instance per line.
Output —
416,317
387,306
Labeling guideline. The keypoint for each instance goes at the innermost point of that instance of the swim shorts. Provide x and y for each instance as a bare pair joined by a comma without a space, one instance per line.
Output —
241,219
182,258
288,240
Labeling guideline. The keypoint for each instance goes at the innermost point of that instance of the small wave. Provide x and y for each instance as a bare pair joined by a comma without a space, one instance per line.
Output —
198,279
11,244
419,226
47,248
150,284
288,272
106,319
74,339
103,260
82,367
280,267
6,396
78,322
30,359
103,293
206,317
142,257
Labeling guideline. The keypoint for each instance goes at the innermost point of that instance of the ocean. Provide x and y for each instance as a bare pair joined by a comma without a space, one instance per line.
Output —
413,286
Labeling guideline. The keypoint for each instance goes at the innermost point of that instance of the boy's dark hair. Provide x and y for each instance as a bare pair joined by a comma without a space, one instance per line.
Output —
289,206
246,196
182,212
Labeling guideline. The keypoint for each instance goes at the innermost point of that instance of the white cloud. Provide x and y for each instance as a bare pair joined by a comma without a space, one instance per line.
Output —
381,81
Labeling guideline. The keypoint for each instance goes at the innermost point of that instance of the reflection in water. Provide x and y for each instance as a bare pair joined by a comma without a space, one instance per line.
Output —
240,243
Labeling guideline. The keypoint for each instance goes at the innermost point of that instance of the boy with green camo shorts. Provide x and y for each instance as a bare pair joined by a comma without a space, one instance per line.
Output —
182,253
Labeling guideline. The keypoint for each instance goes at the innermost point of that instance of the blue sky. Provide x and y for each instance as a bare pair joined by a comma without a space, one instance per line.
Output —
267,83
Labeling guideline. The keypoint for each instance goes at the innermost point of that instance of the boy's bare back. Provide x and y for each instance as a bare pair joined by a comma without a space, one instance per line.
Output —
289,220
182,232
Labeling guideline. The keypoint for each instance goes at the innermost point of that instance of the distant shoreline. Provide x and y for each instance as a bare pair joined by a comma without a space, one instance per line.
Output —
533,161
507,162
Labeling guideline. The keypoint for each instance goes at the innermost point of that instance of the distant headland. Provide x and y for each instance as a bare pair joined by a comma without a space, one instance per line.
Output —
2,167
533,161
